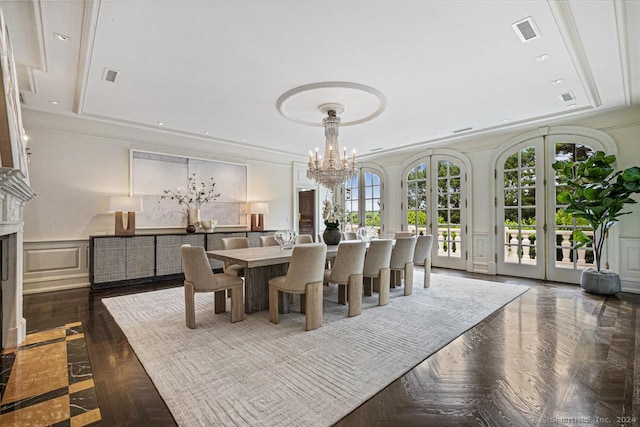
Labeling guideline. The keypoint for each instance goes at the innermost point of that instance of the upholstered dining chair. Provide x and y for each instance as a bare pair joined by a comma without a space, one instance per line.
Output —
401,234
268,241
348,235
304,238
422,256
347,273
402,262
198,277
376,269
234,243
304,277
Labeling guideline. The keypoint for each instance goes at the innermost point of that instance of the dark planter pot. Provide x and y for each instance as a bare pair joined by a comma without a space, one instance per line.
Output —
331,236
603,282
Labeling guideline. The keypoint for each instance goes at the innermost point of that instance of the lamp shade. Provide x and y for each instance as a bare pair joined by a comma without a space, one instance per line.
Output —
125,204
259,208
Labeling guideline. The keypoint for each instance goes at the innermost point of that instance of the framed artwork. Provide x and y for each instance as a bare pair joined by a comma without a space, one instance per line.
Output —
153,173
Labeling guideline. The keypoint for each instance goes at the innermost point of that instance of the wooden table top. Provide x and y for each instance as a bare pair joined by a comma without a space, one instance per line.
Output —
259,256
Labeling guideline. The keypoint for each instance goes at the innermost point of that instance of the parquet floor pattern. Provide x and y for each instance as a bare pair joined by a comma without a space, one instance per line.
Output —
555,356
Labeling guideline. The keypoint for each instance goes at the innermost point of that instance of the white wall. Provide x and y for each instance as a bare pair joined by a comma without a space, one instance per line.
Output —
74,173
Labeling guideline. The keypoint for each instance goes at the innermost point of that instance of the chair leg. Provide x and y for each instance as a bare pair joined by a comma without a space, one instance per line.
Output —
237,304
427,272
303,303
385,278
314,305
376,284
355,295
408,278
273,305
220,301
342,294
367,286
189,305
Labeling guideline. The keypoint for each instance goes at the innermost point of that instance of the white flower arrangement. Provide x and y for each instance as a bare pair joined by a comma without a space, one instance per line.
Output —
194,196
332,213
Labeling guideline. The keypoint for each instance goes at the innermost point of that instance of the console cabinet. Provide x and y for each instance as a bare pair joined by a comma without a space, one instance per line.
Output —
127,260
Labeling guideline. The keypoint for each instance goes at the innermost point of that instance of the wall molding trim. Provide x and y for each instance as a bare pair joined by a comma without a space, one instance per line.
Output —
55,265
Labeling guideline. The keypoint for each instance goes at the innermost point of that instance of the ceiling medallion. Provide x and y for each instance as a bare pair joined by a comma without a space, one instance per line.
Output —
300,104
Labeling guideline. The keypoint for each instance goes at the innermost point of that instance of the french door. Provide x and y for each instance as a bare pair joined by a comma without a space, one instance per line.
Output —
436,203
533,233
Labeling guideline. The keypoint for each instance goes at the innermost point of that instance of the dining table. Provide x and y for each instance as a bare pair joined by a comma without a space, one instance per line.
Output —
260,264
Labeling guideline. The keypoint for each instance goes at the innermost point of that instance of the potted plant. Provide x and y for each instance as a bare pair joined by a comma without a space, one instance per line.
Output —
597,193
331,213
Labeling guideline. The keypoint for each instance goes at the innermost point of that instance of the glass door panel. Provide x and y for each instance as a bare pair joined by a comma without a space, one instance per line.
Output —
519,209
565,263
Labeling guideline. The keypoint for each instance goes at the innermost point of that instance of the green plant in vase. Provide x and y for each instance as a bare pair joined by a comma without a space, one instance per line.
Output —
597,194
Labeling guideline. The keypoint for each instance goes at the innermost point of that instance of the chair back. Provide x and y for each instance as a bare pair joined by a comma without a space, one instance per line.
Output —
306,266
423,249
268,241
402,252
196,266
349,260
378,257
304,238
235,243
348,235
401,234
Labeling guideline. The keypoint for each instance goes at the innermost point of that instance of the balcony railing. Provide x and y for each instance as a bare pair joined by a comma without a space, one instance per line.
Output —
448,244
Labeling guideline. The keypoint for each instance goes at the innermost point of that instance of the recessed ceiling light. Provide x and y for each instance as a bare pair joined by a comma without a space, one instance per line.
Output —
543,57
505,120
273,146
61,37
53,102
160,123
243,140
557,82
571,105
25,137
206,132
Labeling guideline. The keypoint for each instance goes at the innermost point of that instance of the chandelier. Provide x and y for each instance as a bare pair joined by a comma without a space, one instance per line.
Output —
332,171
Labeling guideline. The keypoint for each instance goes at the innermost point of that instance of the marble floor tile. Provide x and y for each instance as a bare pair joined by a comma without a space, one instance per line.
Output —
48,380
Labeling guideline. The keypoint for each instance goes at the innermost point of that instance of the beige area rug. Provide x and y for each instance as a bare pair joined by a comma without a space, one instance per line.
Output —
255,373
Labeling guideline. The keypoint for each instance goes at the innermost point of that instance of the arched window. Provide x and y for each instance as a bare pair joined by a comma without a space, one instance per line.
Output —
363,204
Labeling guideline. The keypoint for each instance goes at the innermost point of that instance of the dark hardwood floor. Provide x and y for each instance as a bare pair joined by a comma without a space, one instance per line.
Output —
556,355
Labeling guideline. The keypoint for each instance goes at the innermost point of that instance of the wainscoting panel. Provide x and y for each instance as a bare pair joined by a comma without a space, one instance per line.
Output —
55,265
630,264
482,257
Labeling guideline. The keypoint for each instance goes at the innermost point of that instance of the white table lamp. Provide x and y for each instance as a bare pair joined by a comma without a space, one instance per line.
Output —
121,204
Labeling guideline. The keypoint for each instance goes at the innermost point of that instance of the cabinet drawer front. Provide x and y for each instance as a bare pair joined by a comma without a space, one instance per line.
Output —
140,259
109,259
168,260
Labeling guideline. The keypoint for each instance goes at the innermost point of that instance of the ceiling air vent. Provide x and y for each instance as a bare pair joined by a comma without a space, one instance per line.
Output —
109,75
526,30
566,97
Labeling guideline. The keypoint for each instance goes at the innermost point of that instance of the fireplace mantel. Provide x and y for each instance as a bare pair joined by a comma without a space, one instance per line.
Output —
14,193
